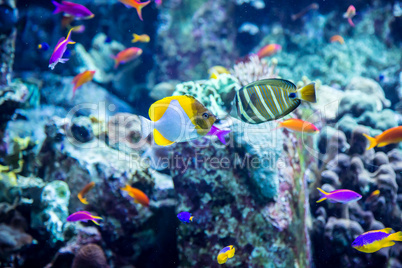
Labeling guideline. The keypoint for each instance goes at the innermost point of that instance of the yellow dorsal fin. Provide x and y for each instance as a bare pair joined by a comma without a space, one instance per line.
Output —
157,110
160,140
387,230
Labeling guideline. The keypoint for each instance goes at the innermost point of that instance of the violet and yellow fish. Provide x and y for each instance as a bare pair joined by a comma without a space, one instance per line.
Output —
143,38
373,241
76,10
225,254
218,133
84,216
177,119
137,5
339,196
126,55
58,52
81,79
84,191
389,136
185,217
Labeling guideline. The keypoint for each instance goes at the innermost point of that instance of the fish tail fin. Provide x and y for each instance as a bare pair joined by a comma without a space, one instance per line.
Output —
146,127
135,38
396,236
140,6
97,223
307,93
83,200
58,7
372,141
351,22
125,188
191,218
221,135
323,195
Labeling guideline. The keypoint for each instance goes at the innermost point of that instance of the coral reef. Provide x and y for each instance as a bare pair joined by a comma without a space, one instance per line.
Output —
90,256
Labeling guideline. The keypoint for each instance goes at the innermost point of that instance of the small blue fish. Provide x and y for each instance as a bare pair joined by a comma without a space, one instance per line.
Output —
43,46
185,217
373,241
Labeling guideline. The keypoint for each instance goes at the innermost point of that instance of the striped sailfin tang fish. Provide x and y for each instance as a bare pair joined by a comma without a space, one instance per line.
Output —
270,99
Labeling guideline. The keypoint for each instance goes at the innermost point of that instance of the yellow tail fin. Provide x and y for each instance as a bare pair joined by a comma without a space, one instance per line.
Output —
372,141
191,218
396,236
323,195
135,38
307,93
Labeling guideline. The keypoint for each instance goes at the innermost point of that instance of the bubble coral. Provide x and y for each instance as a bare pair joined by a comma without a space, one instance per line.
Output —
90,256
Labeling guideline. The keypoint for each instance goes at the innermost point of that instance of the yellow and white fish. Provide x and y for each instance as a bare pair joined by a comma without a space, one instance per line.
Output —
270,99
217,70
177,119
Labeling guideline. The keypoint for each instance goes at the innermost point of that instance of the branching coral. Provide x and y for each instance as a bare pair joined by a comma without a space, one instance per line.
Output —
254,69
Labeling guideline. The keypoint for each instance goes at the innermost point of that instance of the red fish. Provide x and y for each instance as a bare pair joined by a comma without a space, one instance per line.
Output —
126,55
298,125
350,13
81,79
84,191
137,5
392,135
138,195
269,50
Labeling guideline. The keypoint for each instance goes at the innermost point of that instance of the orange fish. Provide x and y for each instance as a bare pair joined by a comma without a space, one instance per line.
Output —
313,6
84,191
392,135
268,50
81,79
350,13
127,55
298,125
138,195
135,4
337,38
143,38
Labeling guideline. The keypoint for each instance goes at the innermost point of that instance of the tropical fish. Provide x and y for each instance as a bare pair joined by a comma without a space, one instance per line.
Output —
185,217
59,50
76,10
373,195
269,50
139,196
79,29
219,133
337,38
339,196
389,136
298,125
349,14
269,99
83,216
313,6
84,191
373,241
137,5
81,79
143,38
177,119
126,55
225,254
43,46
215,71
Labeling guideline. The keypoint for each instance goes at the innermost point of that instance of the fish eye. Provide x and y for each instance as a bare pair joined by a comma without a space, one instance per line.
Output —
292,95
205,115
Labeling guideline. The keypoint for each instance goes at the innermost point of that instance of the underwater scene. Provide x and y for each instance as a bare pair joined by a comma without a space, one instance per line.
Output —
200,133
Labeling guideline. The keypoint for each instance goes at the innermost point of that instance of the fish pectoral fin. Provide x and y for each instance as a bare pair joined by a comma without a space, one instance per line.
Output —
382,144
160,140
63,60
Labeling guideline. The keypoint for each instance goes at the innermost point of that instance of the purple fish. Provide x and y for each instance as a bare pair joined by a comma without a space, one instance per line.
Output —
83,216
185,217
373,241
339,196
76,10
59,50
219,133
